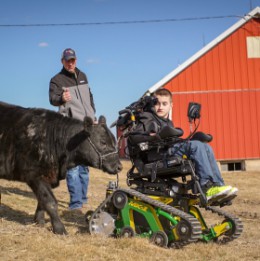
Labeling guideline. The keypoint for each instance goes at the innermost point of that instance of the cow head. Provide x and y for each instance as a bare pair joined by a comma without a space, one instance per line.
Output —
98,147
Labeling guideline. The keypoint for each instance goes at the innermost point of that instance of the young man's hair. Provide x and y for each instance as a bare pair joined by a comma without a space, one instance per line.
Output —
163,92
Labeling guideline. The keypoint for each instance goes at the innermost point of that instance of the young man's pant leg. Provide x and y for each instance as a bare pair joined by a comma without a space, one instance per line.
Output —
196,151
214,166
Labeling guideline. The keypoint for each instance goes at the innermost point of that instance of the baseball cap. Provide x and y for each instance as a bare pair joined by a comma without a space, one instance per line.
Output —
68,54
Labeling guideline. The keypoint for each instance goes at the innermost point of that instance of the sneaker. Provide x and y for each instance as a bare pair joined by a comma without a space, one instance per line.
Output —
231,195
217,192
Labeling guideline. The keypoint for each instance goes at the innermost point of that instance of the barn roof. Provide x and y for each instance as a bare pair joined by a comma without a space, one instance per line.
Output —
254,13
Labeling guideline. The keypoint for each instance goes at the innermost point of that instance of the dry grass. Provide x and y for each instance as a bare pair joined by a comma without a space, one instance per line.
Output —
22,240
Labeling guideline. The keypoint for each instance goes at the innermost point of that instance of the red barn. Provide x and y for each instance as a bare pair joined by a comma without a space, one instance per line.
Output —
224,77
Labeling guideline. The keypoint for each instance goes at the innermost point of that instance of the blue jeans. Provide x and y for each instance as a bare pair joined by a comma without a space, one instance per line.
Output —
77,182
203,156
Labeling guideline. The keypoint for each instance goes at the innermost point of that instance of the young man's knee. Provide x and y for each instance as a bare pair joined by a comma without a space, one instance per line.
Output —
197,145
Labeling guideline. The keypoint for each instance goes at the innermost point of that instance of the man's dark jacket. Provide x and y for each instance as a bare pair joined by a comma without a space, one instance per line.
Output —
82,103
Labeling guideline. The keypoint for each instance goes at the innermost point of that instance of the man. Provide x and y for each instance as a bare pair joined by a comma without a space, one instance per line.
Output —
70,91
199,152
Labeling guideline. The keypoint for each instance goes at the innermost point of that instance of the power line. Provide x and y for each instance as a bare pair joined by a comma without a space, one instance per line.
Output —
123,22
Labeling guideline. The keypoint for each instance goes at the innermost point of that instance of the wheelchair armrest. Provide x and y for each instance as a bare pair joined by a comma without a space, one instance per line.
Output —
165,133
138,138
169,132
203,137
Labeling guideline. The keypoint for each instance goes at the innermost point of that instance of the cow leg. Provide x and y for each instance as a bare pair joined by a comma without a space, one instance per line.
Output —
47,202
39,215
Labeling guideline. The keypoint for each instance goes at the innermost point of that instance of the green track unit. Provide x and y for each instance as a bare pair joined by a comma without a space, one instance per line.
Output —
129,213
133,212
144,219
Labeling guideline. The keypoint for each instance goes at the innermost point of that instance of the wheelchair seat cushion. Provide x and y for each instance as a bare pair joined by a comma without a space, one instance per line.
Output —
168,167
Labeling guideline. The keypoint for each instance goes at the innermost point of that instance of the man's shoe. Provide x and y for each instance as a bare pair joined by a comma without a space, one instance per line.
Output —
76,211
215,193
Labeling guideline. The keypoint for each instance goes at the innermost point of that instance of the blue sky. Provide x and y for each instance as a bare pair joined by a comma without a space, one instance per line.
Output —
121,61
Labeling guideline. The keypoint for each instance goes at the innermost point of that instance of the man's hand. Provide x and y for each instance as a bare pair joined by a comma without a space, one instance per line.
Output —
66,95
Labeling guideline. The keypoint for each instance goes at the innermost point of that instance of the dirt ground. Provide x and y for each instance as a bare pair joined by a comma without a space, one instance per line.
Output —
21,239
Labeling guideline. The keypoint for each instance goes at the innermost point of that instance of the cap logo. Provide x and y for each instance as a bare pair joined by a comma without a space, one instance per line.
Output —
69,52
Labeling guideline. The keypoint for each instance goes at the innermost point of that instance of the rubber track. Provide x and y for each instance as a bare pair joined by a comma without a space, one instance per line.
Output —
193,222
236,221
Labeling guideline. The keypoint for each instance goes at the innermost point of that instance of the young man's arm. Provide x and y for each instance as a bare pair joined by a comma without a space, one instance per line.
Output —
147,124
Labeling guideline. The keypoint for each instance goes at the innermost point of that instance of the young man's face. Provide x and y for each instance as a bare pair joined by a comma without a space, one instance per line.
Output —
69,65
163,106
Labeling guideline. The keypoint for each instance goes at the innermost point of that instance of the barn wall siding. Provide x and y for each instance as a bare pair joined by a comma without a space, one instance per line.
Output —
238,137
227,84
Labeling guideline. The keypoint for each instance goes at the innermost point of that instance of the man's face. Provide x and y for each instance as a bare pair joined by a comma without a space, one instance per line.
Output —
69,65
163,106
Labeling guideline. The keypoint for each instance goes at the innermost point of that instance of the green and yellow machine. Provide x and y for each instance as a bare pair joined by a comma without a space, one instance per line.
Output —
164,201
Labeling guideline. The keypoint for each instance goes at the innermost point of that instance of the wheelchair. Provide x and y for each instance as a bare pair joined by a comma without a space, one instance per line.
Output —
164,198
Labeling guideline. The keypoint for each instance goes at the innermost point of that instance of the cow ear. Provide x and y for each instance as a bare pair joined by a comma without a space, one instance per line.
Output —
102,120
88,122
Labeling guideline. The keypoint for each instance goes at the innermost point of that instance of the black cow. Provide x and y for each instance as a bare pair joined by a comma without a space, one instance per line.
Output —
37,146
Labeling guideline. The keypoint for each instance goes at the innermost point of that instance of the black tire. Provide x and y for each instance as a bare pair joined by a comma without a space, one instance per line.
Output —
184,230
159,238
120,199
88,216
127,232
232,230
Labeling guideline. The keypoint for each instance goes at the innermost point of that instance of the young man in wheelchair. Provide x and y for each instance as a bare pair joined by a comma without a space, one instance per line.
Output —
199,152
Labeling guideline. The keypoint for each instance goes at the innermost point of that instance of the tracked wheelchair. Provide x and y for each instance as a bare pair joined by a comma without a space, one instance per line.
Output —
154,167
164,197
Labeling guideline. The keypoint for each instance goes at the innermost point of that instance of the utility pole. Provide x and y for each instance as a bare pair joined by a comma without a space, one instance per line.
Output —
251,5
